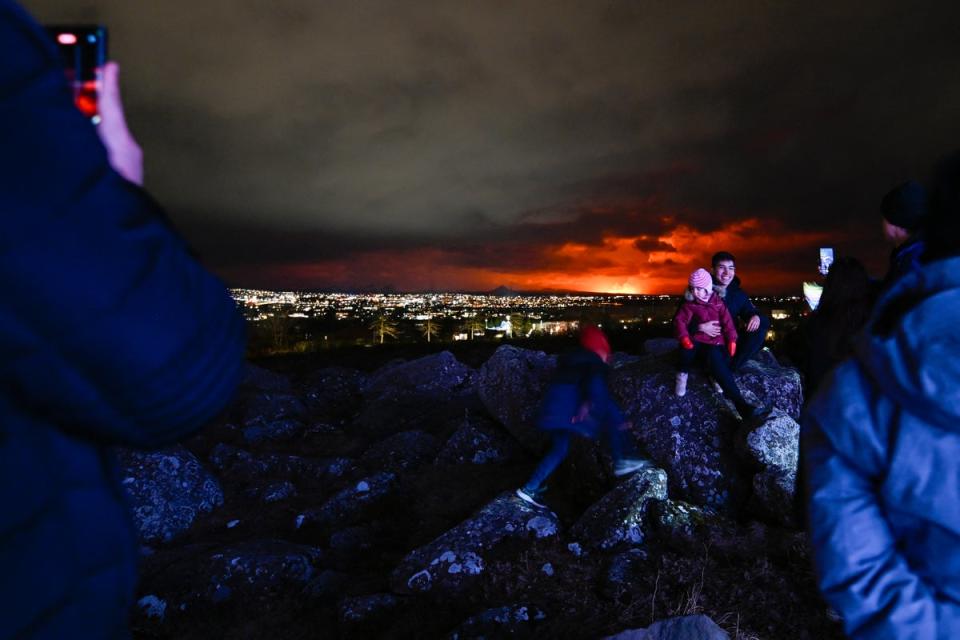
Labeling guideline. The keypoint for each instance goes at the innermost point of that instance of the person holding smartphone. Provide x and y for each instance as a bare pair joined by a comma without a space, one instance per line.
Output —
880,448
111,334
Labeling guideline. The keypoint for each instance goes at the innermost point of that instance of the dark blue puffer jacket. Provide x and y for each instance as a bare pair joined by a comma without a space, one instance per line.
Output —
581,376
737,301
882,456
110,334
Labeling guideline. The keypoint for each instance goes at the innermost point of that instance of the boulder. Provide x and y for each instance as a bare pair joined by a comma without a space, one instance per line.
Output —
695,627
169,489
260,569
623,572
268,406
774,447
514,621
353,504
767,380
363,611
618,517
691,438
402,452
334,394
260,430
686,527
238,465
511,385
421,394
478,441
459,559
660,346
259,379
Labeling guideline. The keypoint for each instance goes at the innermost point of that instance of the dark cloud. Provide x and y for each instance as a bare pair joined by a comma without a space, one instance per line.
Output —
488,136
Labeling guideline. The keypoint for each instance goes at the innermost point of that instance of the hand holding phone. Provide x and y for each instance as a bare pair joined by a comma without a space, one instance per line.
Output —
83,51
826,259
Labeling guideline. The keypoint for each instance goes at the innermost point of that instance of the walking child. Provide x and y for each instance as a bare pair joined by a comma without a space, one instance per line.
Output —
578,402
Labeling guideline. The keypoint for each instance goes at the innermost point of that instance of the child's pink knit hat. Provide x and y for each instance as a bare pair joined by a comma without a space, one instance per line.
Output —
701,278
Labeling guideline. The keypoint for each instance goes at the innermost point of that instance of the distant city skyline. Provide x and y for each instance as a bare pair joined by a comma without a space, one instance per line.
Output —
592,146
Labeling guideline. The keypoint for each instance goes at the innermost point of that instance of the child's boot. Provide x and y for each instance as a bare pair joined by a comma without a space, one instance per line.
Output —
681,388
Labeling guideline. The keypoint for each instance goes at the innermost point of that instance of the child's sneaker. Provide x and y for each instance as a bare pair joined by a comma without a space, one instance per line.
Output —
629,465
681,388
532,497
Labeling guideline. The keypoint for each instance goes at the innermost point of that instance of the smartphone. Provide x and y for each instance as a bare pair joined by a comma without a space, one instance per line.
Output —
826,259
83,50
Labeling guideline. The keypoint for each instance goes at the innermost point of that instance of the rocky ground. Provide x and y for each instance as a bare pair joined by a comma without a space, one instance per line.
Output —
346,504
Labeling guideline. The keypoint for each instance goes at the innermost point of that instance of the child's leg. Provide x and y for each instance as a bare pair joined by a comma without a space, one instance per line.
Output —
720,370
558,451
687,356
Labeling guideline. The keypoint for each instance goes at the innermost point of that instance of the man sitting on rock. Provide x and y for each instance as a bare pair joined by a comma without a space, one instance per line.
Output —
578,402
727,285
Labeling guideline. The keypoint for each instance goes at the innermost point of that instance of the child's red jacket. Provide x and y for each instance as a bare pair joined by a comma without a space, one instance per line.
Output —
693,312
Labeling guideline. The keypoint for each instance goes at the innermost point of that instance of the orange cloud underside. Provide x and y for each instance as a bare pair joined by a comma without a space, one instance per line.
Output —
616,265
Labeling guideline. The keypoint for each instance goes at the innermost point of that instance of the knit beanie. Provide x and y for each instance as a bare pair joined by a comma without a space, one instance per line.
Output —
701,278
905,206
593,339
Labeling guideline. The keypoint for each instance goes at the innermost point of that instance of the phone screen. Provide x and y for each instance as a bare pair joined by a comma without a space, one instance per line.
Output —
826,259
83,50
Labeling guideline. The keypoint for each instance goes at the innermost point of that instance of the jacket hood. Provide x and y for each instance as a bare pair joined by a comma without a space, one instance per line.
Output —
689,297
911,345
722,290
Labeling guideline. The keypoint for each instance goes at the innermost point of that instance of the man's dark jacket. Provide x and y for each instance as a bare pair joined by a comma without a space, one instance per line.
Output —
736,299
110,334
580,377
881,445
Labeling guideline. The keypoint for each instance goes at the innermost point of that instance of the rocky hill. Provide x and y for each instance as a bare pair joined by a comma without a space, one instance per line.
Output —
342,504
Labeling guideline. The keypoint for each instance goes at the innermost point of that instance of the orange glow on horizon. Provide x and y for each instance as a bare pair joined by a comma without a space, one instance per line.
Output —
616,265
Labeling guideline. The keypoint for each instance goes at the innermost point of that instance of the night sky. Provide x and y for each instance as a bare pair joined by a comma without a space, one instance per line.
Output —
598,145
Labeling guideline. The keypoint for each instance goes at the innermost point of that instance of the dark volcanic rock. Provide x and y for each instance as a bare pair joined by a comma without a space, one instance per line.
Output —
260,430
690,437
618,517
686,527
770,382
421,394
334,393
478,441
511,385
697,627
239,465
775,447
514,621
623,571
459,558
402,452
363,611
260,569
353,504
660,346
168,490
271,406
259,379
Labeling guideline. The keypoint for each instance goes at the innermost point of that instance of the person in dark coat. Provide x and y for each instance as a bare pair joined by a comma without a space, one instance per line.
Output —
881,451
110,334
578,402
700,307
755,325
904,210
830,330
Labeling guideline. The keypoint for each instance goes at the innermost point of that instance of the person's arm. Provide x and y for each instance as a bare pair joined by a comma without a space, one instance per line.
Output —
107,325
749,313
728,327
860,570
680,322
